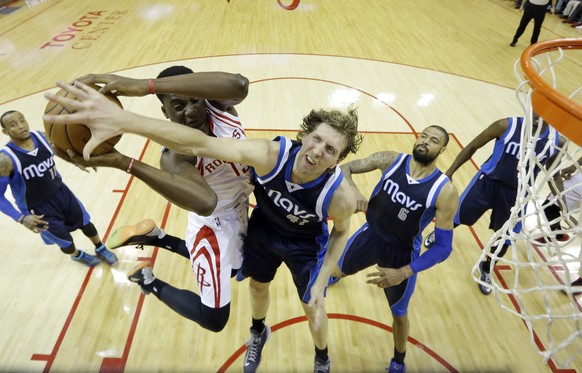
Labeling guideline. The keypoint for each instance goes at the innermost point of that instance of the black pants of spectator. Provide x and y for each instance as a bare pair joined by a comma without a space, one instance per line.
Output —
576,15
535,12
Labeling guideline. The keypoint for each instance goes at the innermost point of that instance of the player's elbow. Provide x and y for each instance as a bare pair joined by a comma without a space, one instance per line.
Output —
241,84
207,204
203,205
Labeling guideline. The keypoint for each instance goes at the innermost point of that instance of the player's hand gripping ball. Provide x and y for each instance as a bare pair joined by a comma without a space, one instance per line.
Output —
75,136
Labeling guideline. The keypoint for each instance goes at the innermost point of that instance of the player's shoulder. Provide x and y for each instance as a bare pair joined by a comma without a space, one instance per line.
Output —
6,165
343,202
448,192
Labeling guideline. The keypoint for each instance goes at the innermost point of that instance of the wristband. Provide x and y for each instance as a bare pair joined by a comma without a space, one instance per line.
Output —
130,166
151,84
21,218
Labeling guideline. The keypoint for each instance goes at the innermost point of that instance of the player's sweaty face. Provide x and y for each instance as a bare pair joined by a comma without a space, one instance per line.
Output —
321,149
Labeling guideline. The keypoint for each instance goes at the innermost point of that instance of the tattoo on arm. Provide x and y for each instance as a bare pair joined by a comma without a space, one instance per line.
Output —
377,161
6,166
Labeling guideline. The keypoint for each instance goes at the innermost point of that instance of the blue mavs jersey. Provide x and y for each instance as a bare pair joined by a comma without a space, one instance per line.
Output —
294,210
401,207
35,177
503,162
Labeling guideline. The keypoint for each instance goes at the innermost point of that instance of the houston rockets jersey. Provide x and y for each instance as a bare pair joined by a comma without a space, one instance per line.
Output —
230,181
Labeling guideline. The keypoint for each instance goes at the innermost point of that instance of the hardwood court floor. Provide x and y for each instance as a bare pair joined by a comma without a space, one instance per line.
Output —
407,64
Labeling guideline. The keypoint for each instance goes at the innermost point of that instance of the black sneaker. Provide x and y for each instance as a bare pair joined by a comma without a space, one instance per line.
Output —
138,234
142,275
429,240
255,349
486,278
320,366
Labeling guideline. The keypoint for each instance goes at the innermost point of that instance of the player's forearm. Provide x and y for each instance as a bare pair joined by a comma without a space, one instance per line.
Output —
210,85
9,210
463,157
335,247
436,254
177,189
180,138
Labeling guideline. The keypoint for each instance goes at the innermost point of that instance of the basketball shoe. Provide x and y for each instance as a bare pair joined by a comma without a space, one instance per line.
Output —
142,275
87,259
255,349
486,278
138,234
559,237
396,368
106,255
320,366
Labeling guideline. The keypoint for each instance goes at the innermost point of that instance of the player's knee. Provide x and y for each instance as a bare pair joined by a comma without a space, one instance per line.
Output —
215,319
258,288
89,230
400,321
69,249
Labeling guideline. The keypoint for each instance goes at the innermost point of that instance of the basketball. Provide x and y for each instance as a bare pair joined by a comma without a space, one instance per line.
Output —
75,136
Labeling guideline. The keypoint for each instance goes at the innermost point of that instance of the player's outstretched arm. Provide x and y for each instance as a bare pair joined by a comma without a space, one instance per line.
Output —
494,131
341,209
225,88
107,120
185,187
377,161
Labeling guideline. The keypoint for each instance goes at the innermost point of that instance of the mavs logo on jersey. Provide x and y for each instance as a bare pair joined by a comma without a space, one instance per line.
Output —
393,190
38,170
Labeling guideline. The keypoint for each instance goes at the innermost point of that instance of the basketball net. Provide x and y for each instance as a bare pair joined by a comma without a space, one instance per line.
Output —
532,280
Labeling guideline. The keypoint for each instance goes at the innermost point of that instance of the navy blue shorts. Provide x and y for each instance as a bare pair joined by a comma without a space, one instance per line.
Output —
367,248
484,194
64,213
264,250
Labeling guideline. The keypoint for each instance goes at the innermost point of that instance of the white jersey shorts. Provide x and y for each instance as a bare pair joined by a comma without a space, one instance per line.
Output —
215,246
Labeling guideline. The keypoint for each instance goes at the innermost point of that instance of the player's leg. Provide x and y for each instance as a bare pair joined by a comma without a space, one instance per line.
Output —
76,217
400,332
305,267
504,198
58,232
476,199
215,245
260,264
398,298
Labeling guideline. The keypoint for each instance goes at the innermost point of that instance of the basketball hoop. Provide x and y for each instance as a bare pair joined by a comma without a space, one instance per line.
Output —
536,273
561,112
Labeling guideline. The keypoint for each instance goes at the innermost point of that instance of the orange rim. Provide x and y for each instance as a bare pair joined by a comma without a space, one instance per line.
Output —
561,112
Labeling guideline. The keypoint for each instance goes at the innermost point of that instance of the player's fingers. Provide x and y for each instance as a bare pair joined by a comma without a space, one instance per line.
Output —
74,118
109,87
89,147
67,102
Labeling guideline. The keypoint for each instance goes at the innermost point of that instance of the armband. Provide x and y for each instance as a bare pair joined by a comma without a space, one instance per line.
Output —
441,250
5,205
130,166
